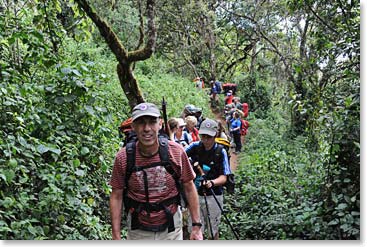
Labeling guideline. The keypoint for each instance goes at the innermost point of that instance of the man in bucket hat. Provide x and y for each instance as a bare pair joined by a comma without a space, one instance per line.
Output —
210,161
147,178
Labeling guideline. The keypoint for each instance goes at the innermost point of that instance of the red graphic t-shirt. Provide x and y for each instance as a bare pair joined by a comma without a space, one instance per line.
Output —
161,185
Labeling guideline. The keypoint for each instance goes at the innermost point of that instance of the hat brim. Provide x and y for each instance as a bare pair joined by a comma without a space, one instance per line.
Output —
212,133
150,114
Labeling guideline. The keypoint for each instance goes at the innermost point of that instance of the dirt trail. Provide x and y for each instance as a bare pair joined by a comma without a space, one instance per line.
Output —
234,157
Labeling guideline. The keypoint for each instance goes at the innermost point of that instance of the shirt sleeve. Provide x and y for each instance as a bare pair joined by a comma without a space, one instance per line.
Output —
118,172
226,166
187,170
190,149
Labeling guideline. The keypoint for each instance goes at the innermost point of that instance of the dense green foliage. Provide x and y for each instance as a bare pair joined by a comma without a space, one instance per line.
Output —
295,62
281,190
58,142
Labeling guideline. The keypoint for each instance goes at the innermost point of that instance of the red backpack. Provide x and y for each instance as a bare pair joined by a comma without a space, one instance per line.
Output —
244,126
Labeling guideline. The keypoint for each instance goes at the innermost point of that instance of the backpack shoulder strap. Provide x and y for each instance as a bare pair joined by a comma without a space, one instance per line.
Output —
168,165
164,156
218,154
186,137
163,149
130,159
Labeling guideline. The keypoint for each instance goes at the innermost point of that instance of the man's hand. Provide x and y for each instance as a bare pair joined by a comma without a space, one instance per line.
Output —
196,233
208,184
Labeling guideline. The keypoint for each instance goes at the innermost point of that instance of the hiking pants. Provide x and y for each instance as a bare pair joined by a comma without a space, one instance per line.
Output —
237,140
138,234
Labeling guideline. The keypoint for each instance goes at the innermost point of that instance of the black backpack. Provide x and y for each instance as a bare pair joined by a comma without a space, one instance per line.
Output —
230,183
139,206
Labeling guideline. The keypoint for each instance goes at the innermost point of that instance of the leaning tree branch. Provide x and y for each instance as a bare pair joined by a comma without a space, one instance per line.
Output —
141,28
106,31
125,59
323,22
149,48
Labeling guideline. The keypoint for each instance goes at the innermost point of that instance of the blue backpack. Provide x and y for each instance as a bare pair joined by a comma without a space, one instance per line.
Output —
218,87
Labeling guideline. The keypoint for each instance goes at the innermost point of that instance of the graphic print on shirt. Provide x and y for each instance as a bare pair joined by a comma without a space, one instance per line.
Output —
157,180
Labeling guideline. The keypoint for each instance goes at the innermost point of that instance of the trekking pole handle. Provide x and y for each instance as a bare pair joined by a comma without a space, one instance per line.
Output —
199,169
202,174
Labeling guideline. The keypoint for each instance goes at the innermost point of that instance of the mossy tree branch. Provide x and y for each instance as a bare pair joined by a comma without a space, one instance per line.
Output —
126,59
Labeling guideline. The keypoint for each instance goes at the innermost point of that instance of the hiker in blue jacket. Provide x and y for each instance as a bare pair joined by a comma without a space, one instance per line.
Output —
211,165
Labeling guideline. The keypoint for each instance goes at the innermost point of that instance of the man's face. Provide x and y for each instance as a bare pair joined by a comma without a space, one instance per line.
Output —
208,141
147,129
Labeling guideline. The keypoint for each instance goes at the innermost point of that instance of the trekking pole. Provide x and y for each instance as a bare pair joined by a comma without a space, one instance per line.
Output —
202,174
225,216
164,111
208,213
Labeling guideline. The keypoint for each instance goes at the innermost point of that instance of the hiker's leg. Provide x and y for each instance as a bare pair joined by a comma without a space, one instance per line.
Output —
215,214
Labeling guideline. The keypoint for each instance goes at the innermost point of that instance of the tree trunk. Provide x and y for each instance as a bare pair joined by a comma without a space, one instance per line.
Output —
299,121
129,85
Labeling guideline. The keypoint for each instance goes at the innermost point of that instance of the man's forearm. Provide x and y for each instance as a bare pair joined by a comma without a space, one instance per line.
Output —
219,181
193,201
115,211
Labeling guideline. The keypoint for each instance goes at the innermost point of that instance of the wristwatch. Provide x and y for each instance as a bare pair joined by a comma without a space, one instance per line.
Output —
197,224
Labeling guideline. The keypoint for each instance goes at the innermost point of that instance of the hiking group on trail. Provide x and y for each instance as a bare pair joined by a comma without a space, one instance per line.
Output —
171,174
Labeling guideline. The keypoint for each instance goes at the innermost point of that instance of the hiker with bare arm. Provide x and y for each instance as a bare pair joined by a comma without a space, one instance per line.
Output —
211,164
148,177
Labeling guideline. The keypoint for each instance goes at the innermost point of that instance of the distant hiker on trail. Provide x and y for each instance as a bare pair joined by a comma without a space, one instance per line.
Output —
215,89
229,110
191,123
199,117
173,127
199,83
222,132
245,109
237,103
181,135
235,130
211,165
147,178
229,98
191,110
229,86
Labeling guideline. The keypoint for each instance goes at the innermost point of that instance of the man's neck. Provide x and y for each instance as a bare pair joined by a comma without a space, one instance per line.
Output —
209,148
148,151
